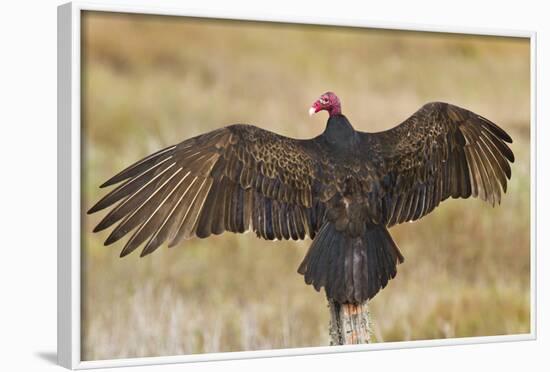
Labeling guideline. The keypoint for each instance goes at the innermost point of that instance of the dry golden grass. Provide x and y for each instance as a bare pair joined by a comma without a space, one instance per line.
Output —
153,81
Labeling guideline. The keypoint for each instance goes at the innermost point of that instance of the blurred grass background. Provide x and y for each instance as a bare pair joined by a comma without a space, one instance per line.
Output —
151,81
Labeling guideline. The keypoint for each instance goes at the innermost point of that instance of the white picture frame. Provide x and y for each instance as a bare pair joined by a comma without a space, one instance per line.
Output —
69,150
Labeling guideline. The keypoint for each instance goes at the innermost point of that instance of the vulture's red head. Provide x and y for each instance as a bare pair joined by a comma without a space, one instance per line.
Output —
329,102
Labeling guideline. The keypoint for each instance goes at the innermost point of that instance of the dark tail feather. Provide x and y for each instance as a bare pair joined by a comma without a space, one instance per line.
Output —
352,270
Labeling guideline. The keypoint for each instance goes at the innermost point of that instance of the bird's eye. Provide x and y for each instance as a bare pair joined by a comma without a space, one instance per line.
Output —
323,100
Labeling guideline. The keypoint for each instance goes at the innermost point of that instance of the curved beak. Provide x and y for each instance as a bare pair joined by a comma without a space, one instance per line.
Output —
314,108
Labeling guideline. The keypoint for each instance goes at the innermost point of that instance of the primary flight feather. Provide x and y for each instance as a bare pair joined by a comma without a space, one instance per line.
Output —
343,189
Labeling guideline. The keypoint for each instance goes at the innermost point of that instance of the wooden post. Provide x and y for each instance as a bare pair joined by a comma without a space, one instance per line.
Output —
349,324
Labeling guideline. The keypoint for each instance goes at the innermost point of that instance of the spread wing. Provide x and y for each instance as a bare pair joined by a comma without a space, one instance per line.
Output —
441,151
232,179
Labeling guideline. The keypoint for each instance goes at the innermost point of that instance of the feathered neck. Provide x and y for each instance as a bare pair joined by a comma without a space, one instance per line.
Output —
339,131
335,110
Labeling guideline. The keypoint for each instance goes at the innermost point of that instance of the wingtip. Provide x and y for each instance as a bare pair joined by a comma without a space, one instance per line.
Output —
93,209
145,252
125,251
496,130
112,181
110,240
504,135
106,183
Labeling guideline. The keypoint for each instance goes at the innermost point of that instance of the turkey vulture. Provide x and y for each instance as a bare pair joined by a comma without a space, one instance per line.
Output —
343,189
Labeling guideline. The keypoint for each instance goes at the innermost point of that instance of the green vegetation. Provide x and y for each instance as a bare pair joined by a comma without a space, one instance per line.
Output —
149,82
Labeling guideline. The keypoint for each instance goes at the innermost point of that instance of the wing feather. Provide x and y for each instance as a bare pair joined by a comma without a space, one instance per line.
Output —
441,151
236,178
